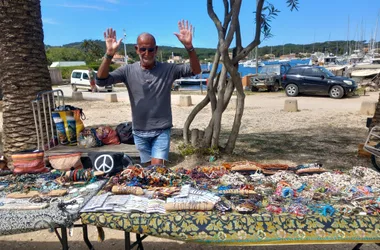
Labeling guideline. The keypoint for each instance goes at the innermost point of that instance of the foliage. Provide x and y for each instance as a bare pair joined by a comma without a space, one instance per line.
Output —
93,51
269,12
293,4
66,71
188,149
73,53
56,54
164,52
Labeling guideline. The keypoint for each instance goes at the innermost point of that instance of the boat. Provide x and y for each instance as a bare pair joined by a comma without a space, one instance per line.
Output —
252,64
283,60
188,81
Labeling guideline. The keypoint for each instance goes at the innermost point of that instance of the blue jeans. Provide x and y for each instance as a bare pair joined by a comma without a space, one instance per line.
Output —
152,144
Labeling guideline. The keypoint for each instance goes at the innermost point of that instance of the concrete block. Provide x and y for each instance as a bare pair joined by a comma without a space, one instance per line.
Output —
110,98
368,108
185,101
291,105
233,102
77,96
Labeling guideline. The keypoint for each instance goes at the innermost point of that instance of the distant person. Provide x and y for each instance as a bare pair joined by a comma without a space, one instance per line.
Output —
149,83
92,76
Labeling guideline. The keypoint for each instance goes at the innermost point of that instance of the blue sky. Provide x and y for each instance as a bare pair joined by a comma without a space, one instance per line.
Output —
66,21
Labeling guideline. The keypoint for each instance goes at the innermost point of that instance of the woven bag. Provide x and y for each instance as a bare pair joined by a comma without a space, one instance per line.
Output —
29,162
66,162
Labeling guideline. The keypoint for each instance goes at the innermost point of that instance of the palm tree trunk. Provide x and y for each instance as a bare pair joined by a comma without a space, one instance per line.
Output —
24,71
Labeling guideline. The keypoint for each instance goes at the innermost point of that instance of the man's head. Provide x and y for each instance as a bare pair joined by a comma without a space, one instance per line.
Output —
146,49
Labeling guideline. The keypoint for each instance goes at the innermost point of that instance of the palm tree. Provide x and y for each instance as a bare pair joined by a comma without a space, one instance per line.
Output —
24,71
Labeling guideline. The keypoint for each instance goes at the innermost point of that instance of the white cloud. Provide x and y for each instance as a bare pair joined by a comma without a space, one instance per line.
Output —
48,21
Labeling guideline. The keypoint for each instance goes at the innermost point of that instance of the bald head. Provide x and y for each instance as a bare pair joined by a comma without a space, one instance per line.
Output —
146,37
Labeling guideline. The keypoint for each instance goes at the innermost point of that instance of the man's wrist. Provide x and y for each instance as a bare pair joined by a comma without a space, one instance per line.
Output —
108,56
189,48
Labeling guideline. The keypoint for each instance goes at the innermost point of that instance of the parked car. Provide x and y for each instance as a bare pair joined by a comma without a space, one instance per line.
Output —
80,79
269,78
316,80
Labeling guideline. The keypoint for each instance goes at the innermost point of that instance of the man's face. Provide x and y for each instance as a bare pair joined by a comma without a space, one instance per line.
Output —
146,49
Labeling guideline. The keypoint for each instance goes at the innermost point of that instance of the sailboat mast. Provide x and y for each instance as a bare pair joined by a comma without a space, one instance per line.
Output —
348,36
375,35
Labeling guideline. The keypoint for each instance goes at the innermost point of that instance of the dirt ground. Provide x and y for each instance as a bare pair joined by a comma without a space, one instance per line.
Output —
324,130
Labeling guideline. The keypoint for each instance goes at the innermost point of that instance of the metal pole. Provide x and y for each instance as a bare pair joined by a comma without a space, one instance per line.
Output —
125,48
257,61
201,83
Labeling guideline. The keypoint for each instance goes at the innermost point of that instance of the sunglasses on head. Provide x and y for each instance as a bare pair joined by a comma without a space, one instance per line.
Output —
145,49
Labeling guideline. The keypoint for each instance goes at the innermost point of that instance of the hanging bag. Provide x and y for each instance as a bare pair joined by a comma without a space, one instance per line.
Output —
124,131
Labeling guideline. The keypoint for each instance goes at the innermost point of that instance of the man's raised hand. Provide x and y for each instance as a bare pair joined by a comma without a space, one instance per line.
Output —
185,35
112,44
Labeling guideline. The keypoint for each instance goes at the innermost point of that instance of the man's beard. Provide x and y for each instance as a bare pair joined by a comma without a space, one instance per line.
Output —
146,61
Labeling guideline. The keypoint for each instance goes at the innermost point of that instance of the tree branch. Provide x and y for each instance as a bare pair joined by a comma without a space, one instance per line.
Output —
227,14
219,108
239,47
235,17
214,17
256,41
210,86
190,118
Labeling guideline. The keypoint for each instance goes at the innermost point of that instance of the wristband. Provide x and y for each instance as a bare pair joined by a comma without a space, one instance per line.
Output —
108,56
191,49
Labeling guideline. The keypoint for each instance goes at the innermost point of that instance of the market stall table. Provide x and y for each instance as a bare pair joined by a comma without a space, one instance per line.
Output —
242,229
285,207
55,215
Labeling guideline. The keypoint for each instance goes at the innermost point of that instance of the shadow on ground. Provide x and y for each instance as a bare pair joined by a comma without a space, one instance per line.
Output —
336,148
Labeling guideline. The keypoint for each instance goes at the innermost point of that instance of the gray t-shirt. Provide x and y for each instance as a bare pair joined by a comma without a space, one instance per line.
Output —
149,92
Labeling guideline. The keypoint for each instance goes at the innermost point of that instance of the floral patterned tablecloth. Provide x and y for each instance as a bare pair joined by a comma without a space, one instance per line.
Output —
243,229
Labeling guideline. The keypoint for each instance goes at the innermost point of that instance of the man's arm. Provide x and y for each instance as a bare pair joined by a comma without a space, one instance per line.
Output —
112,46
194,61
185,36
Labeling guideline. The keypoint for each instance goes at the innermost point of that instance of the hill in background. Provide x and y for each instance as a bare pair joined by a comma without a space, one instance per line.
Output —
165,52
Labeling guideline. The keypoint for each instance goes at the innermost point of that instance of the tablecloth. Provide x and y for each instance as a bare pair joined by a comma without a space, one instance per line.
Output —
22,221
243,229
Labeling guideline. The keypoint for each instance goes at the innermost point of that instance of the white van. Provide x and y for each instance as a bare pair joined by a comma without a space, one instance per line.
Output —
80,79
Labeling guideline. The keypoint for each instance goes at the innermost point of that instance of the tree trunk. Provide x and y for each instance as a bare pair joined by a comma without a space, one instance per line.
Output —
238,115
190,118
24,71
217,114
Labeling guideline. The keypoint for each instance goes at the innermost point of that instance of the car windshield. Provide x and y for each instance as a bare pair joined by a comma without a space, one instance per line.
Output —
327,72
269,69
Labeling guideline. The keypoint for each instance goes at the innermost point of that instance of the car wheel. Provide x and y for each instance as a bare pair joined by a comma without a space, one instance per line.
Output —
275,87
74,88
109,90
376,160
336,92
291,90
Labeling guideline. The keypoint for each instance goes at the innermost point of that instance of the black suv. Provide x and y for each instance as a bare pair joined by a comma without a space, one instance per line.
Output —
316,80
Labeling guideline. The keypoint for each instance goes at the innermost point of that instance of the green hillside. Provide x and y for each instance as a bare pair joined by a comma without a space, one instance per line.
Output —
95,49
